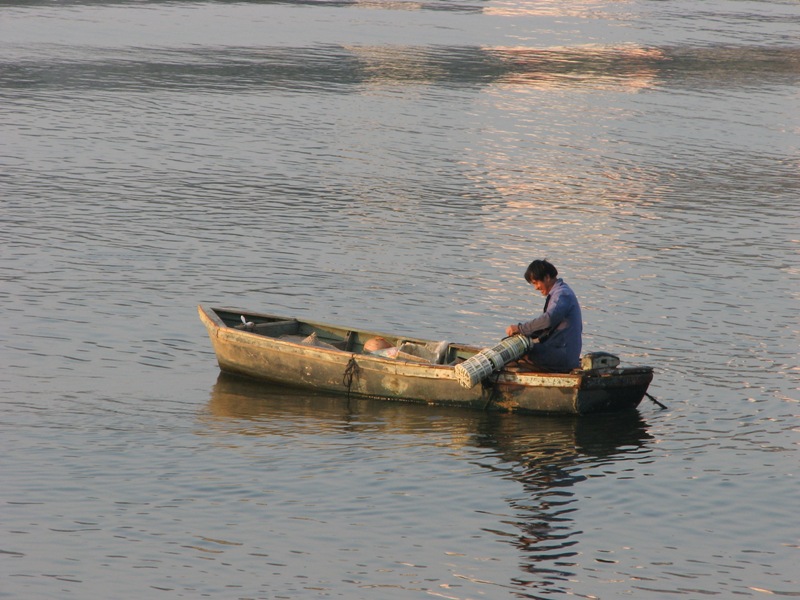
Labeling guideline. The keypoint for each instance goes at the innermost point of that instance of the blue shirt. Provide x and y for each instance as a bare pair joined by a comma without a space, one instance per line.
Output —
559,328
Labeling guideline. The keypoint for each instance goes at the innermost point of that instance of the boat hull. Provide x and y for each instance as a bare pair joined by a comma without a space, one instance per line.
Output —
268,358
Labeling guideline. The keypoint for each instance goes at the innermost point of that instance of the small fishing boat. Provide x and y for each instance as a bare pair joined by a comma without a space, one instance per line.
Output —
333,358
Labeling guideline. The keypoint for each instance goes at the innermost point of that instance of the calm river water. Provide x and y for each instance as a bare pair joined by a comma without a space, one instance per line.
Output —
396,165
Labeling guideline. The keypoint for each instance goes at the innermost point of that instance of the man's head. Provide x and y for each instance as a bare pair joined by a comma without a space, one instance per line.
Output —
541,275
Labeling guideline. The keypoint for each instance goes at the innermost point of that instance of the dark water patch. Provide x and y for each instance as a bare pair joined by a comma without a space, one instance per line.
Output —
334,69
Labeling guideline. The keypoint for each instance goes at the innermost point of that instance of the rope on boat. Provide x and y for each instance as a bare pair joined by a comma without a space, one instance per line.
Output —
491,386
350,372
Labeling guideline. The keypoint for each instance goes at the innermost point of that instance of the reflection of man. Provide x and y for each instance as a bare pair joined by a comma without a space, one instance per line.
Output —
558,328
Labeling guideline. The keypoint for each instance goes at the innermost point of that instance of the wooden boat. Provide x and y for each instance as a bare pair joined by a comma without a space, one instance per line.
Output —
331,358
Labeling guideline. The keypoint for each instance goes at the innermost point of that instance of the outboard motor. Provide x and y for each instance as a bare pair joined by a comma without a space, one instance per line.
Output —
599,360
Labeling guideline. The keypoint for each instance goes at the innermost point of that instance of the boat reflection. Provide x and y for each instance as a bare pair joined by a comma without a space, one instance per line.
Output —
254,405
546,455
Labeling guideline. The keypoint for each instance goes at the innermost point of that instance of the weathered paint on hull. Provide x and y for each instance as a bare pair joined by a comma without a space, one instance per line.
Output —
292,364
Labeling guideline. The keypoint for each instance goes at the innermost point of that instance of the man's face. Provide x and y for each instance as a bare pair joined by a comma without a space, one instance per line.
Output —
544,285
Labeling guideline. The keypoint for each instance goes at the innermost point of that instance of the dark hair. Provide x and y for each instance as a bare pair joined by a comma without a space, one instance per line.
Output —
538,270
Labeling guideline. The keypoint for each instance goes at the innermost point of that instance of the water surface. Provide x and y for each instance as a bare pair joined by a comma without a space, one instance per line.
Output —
396,165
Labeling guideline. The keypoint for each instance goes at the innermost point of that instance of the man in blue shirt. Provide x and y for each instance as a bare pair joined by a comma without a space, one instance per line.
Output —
559,327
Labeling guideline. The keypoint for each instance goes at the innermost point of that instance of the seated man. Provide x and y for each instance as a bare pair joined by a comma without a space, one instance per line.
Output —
559,327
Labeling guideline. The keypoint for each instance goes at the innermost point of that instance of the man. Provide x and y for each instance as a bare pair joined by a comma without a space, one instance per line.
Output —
558,328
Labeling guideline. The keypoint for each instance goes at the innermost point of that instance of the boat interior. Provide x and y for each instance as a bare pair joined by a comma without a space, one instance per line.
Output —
347,340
